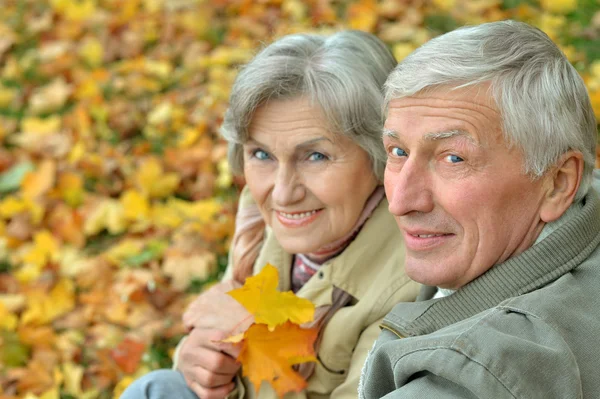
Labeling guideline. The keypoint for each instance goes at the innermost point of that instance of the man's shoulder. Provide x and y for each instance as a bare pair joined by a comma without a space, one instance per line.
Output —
504,349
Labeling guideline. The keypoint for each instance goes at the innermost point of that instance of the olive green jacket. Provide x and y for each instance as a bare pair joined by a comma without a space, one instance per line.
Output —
371,269
525,329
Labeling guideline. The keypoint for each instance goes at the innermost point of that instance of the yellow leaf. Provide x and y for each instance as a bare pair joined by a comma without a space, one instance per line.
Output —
50,97
203,211
122,385
74,10
43,308
77,152
136,205
41,126
152,180
91,51
260,297
70,187
44,249
72,377
109,215
125,249
225,178
160,69
8,321
234,339
444,5
559,6
165,216
38,182
362,15
182,270
401,50
7,95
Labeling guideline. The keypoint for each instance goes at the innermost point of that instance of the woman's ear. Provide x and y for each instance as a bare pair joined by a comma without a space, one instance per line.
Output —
563,183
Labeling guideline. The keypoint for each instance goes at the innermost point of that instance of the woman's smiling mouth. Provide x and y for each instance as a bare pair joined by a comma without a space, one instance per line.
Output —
297,219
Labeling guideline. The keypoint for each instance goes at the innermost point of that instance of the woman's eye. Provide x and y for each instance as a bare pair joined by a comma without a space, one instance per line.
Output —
316,156
260,154
454,159
398,152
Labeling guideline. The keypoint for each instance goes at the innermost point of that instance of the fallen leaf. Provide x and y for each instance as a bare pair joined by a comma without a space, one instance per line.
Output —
128,355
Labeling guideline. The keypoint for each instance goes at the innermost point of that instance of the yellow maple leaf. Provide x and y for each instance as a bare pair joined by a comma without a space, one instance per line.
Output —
108,214
260,297
43,308
43,249
153,181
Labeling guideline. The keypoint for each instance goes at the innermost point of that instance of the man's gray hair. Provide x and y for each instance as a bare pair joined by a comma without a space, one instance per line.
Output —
545,107
342,74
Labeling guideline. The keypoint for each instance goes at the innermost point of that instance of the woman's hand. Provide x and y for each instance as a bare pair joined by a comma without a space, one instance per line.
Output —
207,364
214,309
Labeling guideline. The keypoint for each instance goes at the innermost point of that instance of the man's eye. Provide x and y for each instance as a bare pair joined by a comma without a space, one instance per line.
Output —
260,154
316,156
454,159
398,152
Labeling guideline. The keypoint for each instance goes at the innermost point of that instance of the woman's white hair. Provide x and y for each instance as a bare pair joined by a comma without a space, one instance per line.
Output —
342,74
545,107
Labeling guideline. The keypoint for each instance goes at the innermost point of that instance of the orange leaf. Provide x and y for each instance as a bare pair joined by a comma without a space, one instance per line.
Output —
128,355
269,355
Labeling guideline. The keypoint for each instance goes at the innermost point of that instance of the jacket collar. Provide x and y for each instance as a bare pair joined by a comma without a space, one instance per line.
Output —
560,252
347,270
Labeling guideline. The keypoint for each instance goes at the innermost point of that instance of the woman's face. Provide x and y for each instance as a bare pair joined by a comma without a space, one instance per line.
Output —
310,184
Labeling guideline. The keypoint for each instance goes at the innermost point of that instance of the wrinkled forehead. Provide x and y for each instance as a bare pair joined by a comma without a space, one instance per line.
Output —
469,113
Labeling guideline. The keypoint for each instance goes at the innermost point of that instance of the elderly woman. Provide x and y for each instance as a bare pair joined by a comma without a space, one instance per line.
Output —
304,127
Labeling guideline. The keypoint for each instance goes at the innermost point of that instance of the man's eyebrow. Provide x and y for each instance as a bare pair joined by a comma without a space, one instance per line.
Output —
447,134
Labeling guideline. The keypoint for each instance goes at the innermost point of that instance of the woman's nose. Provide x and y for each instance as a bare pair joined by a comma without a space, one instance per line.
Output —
288,187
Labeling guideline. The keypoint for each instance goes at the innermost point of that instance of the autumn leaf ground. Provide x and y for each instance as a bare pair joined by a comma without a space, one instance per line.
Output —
116,203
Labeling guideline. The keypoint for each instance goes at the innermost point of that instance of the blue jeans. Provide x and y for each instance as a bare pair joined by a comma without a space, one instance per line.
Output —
159,384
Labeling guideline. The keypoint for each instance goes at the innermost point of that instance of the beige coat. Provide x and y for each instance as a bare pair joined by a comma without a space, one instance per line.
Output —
371,269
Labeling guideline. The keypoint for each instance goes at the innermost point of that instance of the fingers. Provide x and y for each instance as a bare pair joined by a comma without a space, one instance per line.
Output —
211,393
210,360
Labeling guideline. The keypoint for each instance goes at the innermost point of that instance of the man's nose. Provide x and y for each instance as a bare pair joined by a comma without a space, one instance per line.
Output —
409,189
289,187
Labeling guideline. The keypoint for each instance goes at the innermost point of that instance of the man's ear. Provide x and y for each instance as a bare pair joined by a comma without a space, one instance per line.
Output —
562,185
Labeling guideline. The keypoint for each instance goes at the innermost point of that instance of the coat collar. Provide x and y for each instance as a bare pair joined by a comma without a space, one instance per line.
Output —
346,271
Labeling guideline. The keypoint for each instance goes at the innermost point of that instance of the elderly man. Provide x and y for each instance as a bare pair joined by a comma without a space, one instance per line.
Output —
491,142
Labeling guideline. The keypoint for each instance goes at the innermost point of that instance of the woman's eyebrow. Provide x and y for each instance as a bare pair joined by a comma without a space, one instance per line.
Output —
310,142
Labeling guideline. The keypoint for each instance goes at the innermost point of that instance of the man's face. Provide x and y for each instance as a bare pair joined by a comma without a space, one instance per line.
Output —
457,191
